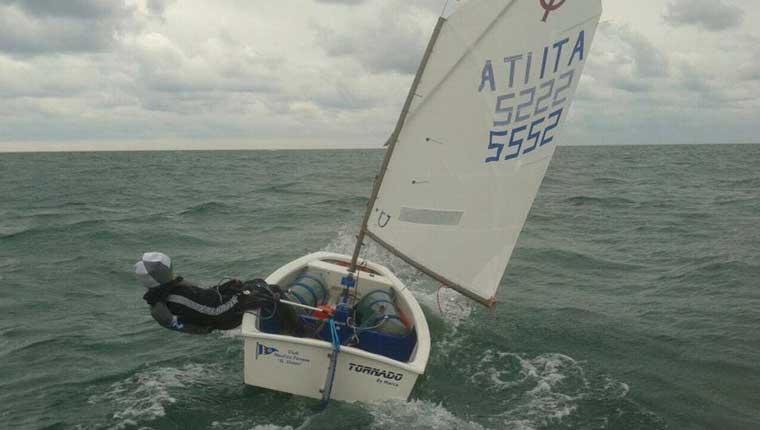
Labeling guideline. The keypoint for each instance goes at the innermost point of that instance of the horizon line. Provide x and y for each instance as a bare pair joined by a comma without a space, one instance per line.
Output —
78,147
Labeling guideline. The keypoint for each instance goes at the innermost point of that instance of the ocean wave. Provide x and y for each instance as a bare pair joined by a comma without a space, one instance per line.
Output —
417,414
577,260
281,187
608,180
714,270
547,390
207,208
734,183
145,396
26,232
605,202
9,263
271,427
38,348
342,202
236,424
537,391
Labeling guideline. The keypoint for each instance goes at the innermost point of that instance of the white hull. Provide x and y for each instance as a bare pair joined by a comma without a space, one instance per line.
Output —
300,365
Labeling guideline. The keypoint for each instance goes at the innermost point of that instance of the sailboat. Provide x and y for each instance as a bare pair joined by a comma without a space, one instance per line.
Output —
462,167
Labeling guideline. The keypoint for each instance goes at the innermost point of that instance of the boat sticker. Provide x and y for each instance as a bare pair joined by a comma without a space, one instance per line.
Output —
262,349
385,377
291,358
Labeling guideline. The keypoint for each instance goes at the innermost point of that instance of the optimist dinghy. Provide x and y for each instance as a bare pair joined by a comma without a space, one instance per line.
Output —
463,166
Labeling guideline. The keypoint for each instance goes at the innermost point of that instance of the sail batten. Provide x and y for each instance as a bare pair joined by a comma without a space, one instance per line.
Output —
467,157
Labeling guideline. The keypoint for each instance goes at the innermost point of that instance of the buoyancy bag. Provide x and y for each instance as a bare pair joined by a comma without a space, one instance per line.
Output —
309,290
377,311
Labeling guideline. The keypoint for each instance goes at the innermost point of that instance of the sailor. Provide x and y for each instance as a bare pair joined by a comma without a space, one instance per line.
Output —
179,305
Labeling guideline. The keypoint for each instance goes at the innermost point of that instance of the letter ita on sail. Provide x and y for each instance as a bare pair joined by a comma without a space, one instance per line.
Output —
474,140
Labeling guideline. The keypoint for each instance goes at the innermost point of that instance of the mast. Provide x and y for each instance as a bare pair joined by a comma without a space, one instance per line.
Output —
391,143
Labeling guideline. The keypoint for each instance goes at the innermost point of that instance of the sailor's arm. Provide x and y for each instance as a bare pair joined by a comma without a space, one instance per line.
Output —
161,313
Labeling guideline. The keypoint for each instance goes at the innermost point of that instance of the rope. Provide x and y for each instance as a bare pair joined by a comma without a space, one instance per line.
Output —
334,335
327,391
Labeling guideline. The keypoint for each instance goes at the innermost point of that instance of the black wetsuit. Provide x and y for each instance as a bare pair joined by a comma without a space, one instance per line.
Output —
181,306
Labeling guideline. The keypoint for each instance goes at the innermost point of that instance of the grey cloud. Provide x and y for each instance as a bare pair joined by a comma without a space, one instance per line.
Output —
626,60
158,7
630,85
712,15
78,9
750,72
22,34
379,46
39,77
34,27
214,66
649,61
692,80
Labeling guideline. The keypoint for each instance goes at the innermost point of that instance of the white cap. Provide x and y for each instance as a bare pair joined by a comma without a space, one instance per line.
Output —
154,269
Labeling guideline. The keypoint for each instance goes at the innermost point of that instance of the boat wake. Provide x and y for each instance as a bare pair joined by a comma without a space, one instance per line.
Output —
518,391
534,391
417,414
146,395
515,391
506,390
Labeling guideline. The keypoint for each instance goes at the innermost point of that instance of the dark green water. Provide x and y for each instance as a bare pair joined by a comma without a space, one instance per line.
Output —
632,301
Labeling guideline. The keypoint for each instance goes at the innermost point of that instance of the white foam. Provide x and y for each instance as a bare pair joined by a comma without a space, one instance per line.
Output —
146,395
537,391
417,414
615,389
238,423
271,427
231,334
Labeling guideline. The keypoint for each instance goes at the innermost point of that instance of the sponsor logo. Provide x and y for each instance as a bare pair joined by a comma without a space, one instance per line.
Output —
550,6
374,371
262,349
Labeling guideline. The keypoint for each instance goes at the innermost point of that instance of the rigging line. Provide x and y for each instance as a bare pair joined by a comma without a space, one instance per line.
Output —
445,5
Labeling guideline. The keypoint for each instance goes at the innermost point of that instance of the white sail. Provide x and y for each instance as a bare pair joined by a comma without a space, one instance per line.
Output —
477,135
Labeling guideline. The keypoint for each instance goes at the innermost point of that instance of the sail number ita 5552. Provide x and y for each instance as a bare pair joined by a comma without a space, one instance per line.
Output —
533,92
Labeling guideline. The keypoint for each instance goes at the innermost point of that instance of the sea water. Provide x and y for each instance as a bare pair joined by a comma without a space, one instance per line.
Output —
632,300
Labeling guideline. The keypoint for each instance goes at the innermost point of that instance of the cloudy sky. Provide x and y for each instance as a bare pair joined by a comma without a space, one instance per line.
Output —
313,73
